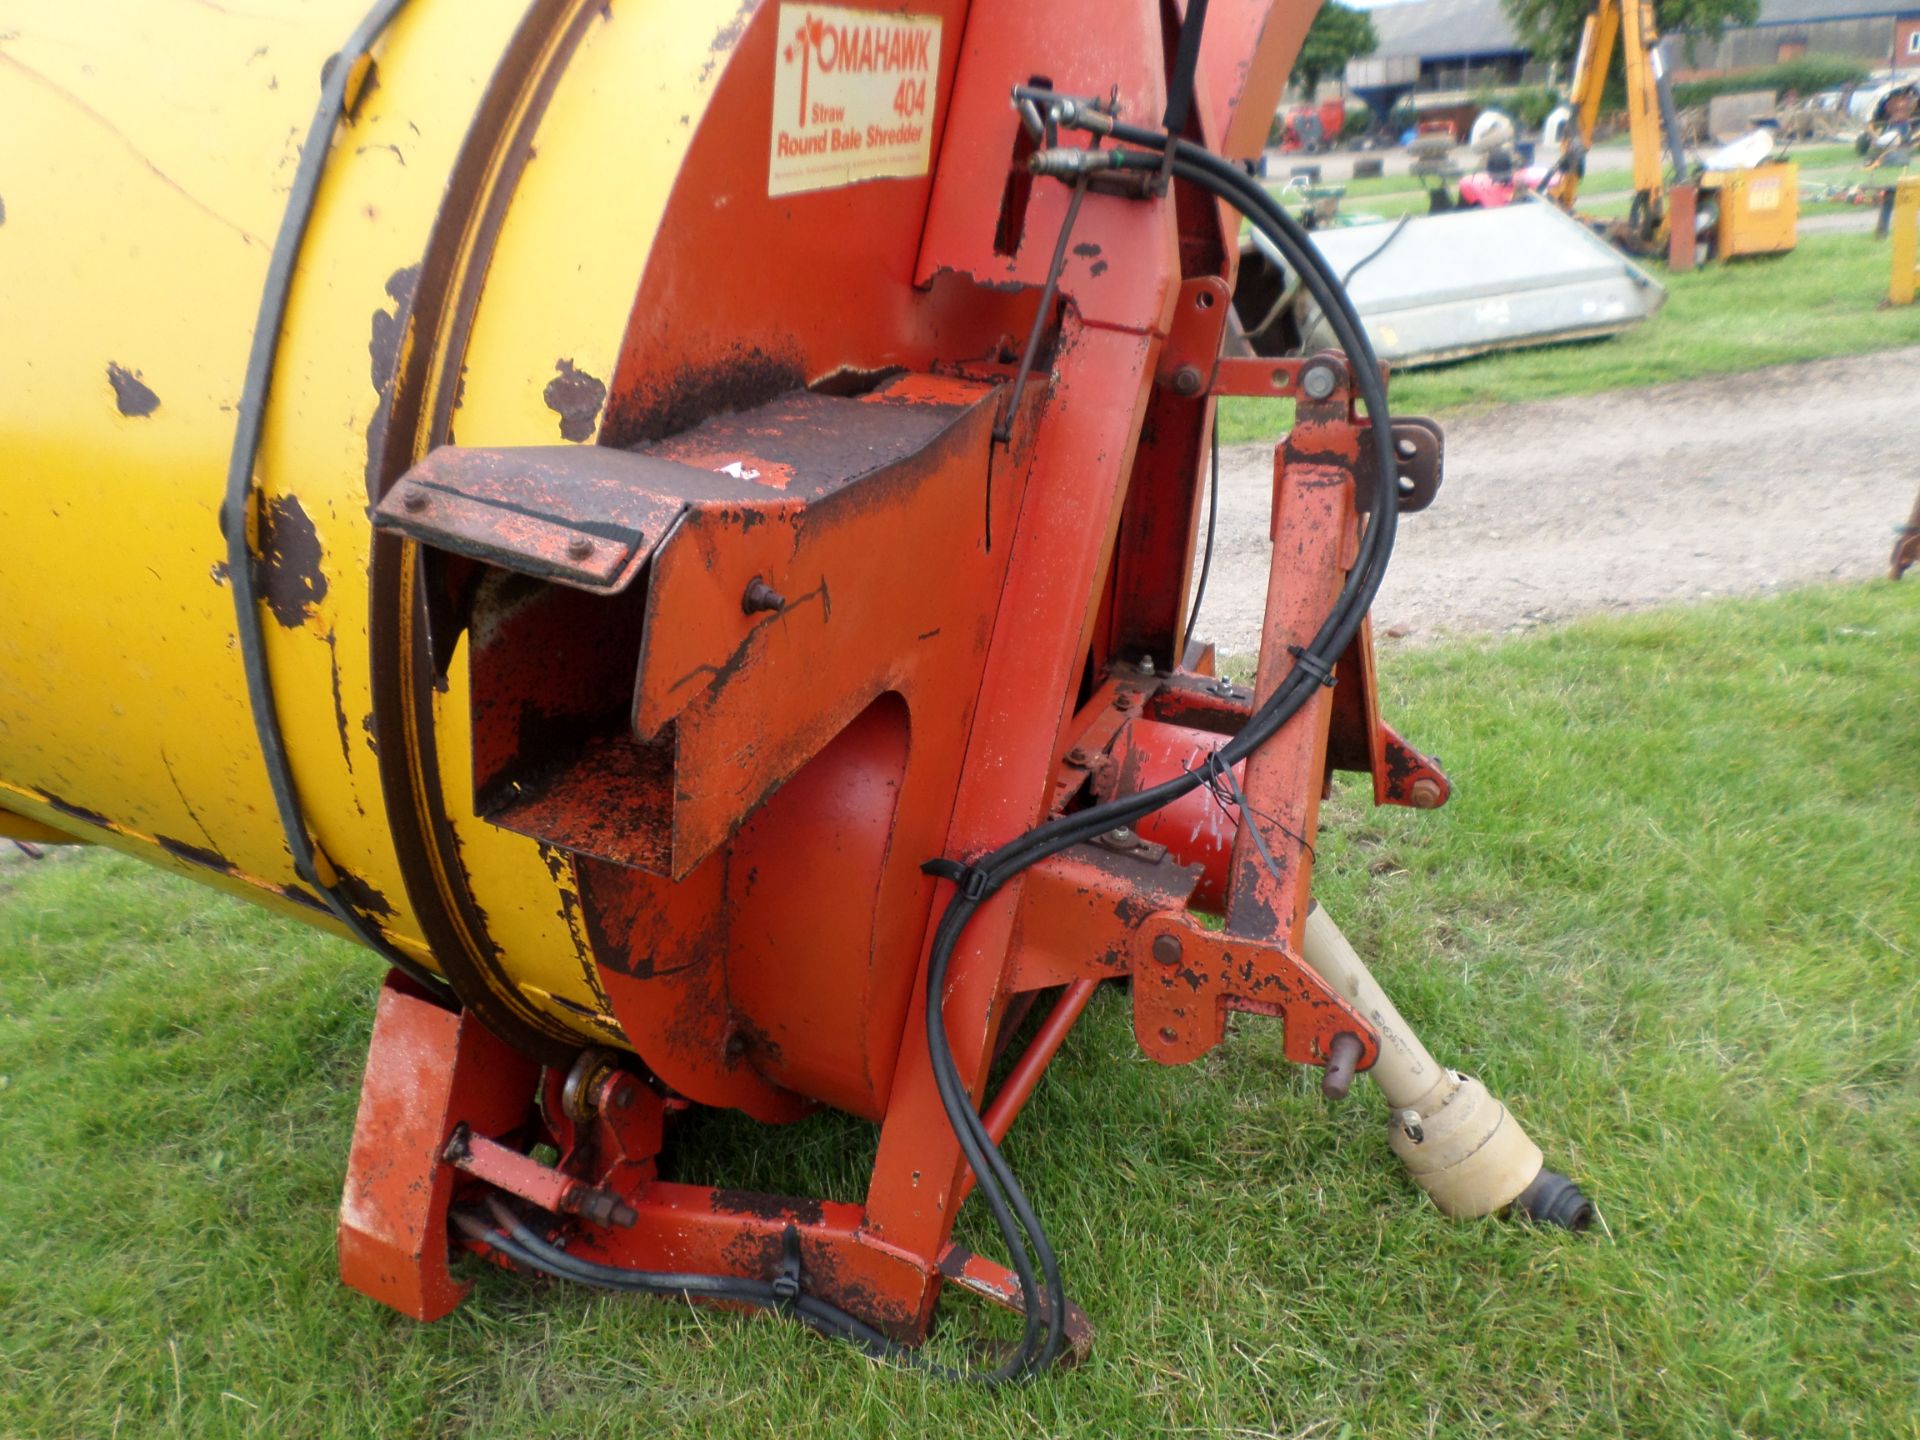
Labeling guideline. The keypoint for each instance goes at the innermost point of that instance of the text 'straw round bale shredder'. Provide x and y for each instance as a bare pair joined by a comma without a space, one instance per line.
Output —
674,524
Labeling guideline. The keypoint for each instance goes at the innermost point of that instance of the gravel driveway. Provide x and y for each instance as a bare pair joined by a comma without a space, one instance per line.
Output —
1734,485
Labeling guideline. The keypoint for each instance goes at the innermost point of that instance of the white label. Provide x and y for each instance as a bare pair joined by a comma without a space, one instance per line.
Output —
853,96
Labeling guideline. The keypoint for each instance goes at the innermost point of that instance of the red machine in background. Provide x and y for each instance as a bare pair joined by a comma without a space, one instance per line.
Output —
1313,128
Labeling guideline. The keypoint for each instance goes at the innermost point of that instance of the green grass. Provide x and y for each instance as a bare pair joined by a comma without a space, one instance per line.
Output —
1812,157
1814,160
1605,191
1604,202
1822,299
1671,917
1371,186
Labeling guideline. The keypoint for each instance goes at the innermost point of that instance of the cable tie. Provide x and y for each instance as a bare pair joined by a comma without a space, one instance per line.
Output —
786,1280
1311,663
971,881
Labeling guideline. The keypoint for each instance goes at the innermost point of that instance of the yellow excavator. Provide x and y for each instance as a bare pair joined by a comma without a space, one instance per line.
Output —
1734,211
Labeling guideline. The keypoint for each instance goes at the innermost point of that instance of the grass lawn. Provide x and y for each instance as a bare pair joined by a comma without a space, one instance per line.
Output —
1605,202
1810,157
1671,917
1820,300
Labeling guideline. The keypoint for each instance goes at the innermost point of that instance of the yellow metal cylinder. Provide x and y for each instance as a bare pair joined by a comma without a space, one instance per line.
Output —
134,241
1905,234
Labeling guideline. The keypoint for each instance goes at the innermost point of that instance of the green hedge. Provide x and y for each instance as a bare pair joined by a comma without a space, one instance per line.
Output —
1808,75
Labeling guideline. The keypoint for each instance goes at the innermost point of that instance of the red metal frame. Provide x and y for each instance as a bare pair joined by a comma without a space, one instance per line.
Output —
429,1071
888,637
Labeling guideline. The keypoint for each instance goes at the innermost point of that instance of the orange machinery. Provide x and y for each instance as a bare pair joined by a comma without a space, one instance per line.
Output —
672,525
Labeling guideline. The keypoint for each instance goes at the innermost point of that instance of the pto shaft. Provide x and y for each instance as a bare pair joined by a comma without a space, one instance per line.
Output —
1458,1142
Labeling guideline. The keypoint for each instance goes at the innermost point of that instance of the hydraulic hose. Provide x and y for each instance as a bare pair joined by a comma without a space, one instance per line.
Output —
979,881
1206,555
1043,1294
521,1245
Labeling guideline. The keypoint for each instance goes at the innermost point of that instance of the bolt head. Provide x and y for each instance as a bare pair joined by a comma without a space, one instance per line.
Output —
414,498
1187,380
579,548
1318,381
1169,1034
1424,793
760,597
1120,836
1166,949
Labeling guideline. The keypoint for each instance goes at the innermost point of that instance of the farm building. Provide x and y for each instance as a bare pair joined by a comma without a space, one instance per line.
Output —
1460,44
1472,44
1877,33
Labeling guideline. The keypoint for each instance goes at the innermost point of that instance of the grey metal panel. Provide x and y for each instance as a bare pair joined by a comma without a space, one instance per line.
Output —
1458,284
1382,70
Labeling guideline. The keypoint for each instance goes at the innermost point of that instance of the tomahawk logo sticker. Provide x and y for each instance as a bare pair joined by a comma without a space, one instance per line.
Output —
853,97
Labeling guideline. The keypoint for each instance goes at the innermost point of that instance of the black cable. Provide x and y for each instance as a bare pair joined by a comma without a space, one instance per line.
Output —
1377,251
237,509
522,1246
1186,60
1206,556
1003,426
1043,1296
978,882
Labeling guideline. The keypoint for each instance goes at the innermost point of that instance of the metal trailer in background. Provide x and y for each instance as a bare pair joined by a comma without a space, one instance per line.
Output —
1435,288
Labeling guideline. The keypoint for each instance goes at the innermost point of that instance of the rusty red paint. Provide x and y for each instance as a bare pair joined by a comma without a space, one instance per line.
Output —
1180,1008
1000,1287
742,793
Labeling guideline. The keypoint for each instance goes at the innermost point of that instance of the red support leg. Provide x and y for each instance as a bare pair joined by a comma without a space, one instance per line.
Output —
429,1070
1314,545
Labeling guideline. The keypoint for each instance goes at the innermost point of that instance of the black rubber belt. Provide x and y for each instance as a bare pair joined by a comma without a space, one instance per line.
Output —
237,512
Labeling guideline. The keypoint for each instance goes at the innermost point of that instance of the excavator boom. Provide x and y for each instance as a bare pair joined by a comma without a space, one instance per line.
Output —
1650,109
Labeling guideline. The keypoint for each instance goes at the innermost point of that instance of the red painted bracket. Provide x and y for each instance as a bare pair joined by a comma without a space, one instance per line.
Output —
1000,1287
1192,351
1099,912
429,1071
1406,777
1186,978
1258,377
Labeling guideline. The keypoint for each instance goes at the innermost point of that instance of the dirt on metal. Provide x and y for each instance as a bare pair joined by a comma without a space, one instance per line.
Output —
1733,485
